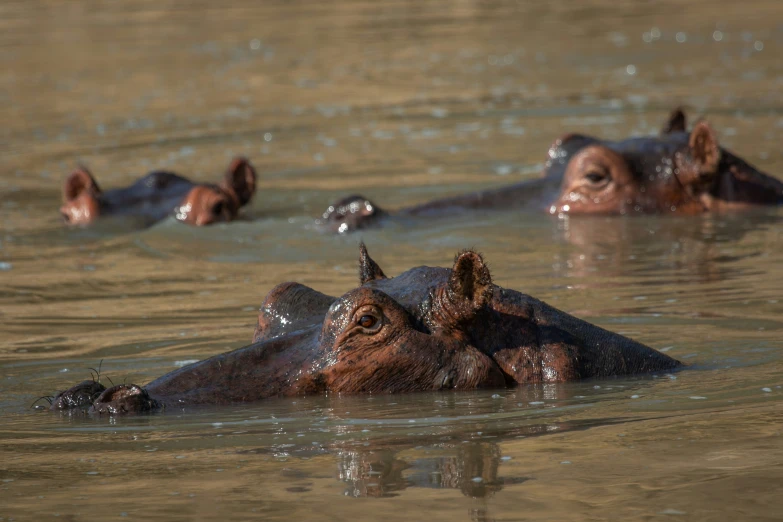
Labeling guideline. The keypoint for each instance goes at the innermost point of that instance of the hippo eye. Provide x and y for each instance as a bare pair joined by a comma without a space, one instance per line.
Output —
367,321
596,176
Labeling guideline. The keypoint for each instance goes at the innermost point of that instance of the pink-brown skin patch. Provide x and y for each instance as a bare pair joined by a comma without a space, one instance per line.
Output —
155,196
80,198
427,329
206,204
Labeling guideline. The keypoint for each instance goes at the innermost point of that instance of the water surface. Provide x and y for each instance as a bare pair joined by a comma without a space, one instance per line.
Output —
403,102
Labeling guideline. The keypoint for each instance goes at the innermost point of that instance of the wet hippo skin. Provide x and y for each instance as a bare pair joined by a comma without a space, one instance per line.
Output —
160,194
426,329
678,172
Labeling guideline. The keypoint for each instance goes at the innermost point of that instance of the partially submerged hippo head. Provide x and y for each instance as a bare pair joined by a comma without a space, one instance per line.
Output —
679,172
350,213
158,194
426,329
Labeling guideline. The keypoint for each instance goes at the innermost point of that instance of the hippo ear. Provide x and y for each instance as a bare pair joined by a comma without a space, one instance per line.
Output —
78,182
704,148
470,284
240,179
676,122
368,269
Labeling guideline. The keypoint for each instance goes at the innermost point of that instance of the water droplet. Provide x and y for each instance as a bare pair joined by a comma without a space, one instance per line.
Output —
504,170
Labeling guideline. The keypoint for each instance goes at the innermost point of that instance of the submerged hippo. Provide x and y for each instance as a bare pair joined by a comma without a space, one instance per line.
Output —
426,329
677,172
159,194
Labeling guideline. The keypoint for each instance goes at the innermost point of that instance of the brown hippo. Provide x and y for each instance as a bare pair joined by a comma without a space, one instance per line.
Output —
676,172
159,194
426,329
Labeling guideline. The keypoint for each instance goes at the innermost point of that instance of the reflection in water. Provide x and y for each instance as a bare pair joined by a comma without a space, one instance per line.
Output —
371,473
473,469
619,247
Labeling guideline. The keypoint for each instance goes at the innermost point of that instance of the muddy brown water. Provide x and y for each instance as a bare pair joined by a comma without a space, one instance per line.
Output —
402,101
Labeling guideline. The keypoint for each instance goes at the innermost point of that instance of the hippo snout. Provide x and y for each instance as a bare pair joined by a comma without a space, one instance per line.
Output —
124,398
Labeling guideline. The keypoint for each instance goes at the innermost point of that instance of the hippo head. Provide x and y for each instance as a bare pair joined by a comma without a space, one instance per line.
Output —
349,214
680,172
435,328
645,175
206,204
157,193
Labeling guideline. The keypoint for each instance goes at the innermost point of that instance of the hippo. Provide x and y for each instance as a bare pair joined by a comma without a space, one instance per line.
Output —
159,194
426,329
678,172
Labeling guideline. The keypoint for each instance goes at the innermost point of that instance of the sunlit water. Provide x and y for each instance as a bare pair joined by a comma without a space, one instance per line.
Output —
402,102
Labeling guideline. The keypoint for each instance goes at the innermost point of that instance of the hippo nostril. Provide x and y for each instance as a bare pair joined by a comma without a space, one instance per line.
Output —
66,217
217,209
